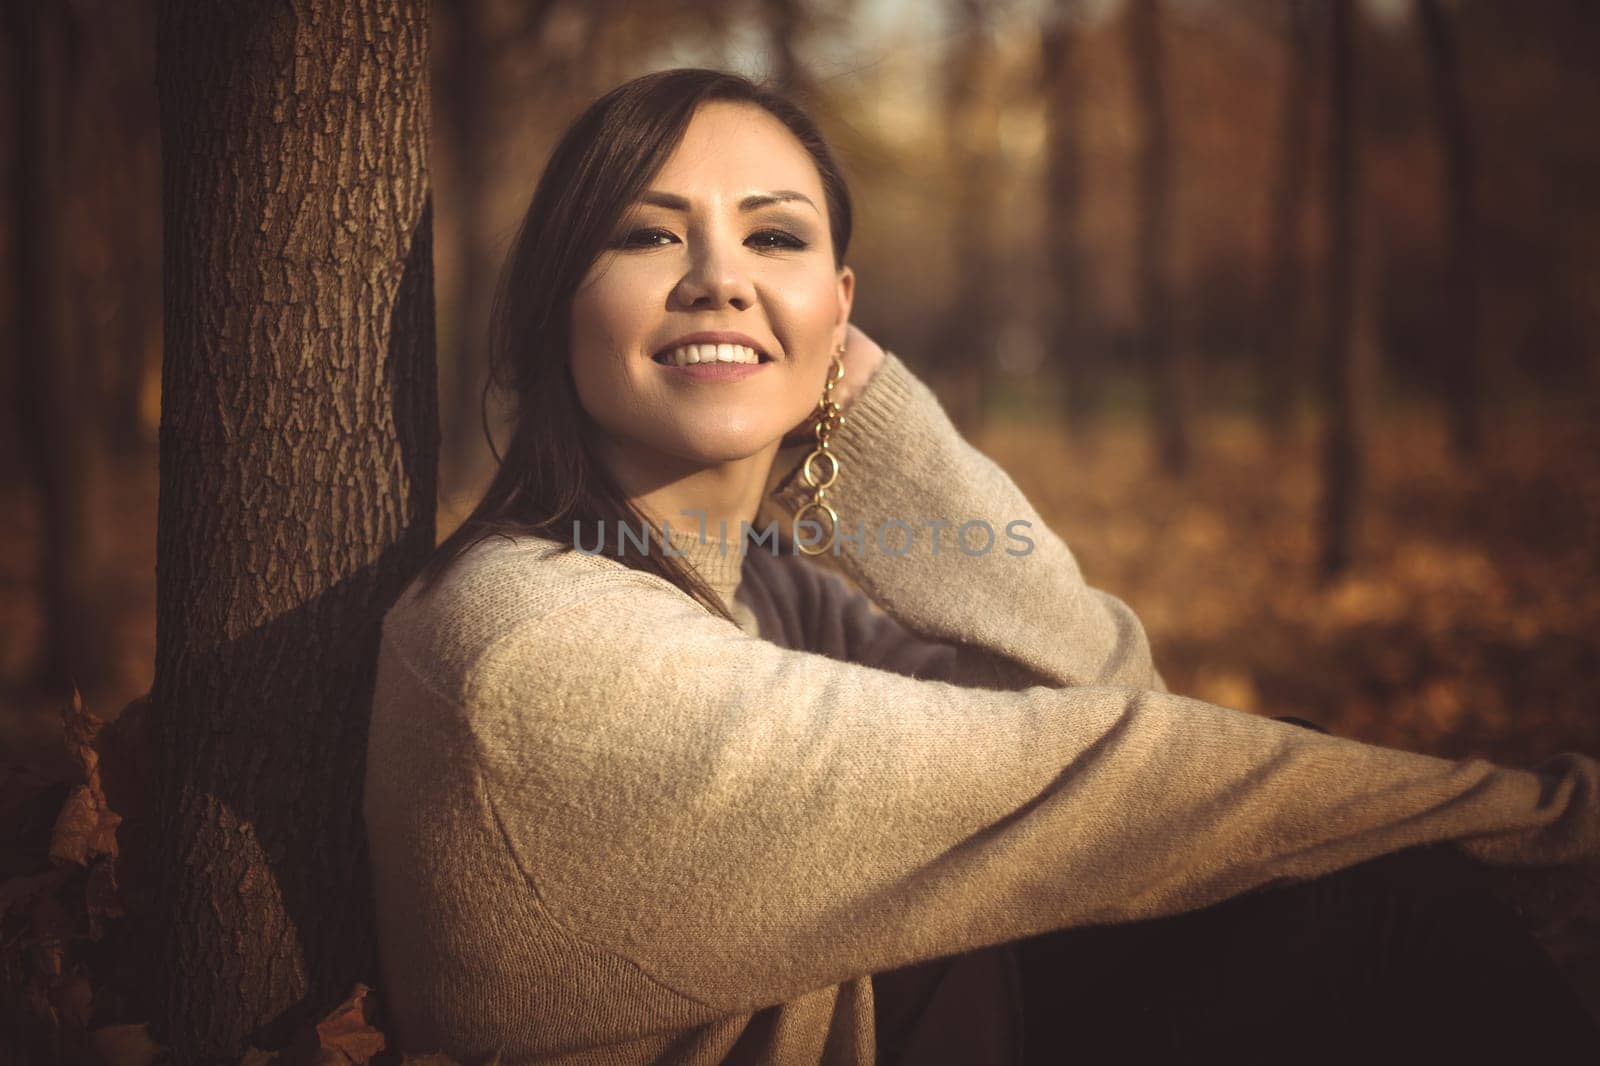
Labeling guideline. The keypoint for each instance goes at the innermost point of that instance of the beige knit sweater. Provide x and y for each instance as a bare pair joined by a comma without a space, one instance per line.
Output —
609,827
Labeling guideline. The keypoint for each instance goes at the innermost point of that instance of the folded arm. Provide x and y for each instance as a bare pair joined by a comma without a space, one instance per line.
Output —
746,822
981,569
817,611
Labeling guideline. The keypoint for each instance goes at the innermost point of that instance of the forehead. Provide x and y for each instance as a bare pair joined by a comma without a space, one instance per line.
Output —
739,148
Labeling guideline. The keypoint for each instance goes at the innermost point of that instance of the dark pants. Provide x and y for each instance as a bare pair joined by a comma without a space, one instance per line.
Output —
1408,957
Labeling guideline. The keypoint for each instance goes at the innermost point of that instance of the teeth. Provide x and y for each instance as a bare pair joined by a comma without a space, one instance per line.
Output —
690,354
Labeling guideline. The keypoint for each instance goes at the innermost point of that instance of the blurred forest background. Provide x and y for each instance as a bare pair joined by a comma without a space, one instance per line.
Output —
1285,313
1191,269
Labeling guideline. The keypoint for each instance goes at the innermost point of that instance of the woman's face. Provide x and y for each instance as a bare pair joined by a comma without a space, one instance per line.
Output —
718,243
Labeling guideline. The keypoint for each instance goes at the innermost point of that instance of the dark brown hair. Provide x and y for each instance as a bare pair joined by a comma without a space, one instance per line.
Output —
550,483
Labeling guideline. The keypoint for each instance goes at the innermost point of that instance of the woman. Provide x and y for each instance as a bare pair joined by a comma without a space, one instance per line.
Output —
676,797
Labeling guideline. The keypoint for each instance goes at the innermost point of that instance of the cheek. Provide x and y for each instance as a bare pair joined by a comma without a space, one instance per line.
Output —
803,313
607,327
606,315
597,373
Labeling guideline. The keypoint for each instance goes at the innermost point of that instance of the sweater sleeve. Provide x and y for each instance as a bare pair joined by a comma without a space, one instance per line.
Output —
941,538
744,822
840,622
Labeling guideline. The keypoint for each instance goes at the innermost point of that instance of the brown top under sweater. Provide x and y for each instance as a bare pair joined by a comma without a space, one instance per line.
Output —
609,827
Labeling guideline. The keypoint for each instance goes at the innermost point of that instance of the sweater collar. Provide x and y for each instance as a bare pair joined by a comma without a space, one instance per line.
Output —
718,563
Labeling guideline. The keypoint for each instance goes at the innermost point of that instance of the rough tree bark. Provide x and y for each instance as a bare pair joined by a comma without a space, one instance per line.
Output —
1344,375
299,440
1167,361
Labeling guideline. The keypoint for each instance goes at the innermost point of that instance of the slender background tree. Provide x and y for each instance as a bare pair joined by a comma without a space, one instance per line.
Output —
1343,359
1463,321
1163,352
973,317
55,404
1071,333
1278,330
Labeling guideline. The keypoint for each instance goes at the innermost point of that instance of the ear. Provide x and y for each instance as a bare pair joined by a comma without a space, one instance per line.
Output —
847,292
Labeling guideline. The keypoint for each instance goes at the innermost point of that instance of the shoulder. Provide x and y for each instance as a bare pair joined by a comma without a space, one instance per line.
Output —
497,586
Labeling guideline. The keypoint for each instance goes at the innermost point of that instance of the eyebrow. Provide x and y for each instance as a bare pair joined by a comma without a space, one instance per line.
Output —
749,203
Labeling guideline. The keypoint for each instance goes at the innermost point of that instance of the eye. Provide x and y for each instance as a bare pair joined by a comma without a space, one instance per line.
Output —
651,237
777,238
642,238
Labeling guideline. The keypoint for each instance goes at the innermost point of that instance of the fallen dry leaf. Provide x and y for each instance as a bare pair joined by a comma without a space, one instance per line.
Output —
126,1045
348,1029
101,899
79,731
86,827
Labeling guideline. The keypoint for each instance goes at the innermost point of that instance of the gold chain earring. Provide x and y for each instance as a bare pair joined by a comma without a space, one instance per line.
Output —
829,416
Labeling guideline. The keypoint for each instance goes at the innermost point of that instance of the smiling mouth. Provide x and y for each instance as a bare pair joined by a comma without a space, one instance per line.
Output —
697,354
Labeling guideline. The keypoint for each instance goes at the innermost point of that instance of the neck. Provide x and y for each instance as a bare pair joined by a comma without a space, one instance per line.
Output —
706,501
719,563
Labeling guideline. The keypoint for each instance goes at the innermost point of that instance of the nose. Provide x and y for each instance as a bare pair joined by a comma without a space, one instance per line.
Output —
716,277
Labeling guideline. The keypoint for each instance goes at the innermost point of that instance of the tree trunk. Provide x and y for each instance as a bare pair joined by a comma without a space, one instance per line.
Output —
57,410
972,320
1344,379
1466,385
467,96
784,21
1278,349
299,440
1072,341
1168,363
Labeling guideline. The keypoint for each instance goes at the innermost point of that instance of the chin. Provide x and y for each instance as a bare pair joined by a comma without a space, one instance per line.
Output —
711,453
711,448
